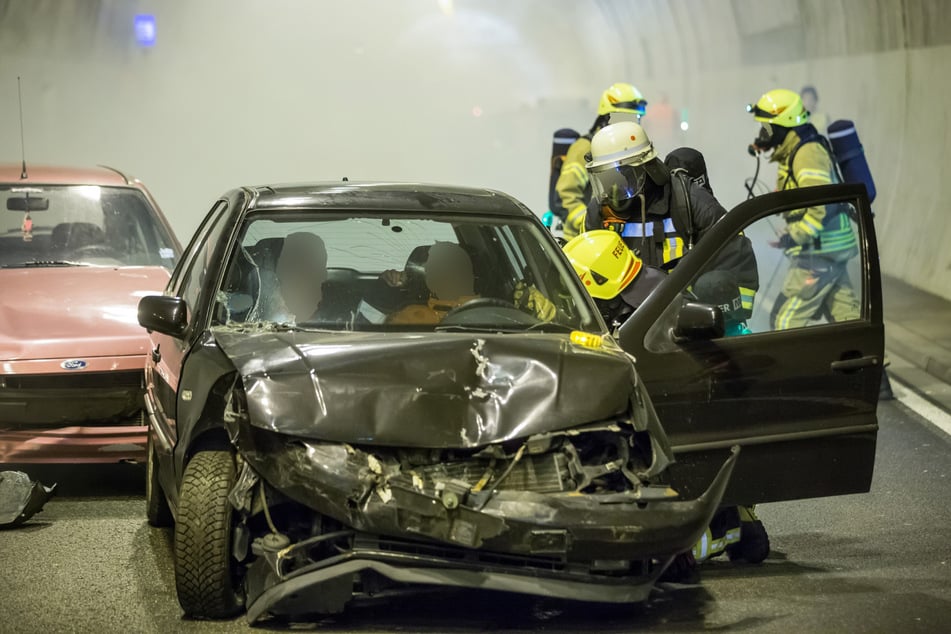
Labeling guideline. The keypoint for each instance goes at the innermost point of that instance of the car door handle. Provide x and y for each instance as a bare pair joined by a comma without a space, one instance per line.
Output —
847,365
156,355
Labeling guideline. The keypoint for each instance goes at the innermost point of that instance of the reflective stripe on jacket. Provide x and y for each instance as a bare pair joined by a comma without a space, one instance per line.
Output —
819,230
573,187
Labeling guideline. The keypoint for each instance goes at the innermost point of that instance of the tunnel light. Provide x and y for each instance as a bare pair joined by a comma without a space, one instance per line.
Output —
145,30
684,126
445,6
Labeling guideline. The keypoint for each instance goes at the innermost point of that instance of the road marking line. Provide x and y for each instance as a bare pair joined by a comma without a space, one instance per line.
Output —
921,406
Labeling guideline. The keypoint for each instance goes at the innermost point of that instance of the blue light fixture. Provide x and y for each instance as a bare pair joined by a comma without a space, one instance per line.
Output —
145,30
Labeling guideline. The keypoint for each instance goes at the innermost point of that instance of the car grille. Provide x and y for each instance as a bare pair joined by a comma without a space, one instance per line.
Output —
85,398
82,380
544,473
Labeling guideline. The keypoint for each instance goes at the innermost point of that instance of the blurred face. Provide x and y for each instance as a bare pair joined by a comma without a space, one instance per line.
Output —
301,272
809,100
449,272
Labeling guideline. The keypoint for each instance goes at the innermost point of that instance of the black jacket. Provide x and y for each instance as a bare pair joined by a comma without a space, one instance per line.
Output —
704,210
662,234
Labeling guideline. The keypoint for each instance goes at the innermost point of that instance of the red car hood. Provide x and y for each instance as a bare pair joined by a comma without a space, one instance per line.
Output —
70,312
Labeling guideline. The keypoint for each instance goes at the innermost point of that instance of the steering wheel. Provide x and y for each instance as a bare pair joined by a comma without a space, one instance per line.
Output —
480,302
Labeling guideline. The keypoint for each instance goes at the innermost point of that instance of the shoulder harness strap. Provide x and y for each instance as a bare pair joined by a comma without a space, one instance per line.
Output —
680,210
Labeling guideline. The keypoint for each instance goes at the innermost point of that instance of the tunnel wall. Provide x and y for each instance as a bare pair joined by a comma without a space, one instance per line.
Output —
881,64
469,92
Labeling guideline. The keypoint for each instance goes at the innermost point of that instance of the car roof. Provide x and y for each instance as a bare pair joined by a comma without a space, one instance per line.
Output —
386,196
62,175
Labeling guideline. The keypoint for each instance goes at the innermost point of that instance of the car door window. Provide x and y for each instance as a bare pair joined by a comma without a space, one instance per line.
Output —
807,273
200,258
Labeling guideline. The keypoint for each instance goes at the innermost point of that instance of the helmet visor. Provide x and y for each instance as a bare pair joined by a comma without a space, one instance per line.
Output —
615,184
639,106
759,112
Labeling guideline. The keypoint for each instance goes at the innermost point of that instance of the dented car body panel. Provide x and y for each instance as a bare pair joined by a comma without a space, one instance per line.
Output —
399,390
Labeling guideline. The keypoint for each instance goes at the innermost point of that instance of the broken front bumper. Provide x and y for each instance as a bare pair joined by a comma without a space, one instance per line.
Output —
591,547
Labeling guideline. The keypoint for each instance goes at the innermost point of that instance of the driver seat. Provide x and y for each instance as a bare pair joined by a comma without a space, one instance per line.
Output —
69,236
415,289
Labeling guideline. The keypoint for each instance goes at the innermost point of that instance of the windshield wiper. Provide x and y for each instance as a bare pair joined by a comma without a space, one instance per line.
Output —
460,328
41,263
550,326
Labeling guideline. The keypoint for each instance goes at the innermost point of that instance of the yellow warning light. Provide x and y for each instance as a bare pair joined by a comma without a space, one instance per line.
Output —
585,339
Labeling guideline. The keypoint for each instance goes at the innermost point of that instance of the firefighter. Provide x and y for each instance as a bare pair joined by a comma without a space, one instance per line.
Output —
660,214
620,281
819,241
572,186
613,275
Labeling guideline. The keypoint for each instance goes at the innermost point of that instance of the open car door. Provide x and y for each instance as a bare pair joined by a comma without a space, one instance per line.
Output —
799,392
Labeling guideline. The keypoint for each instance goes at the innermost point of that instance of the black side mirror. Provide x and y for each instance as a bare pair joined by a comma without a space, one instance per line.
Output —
163,314
699,321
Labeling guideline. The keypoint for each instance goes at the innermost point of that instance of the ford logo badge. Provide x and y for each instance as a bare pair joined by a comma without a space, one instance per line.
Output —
73,364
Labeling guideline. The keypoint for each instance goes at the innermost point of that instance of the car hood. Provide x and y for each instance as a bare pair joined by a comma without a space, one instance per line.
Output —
430,390
80,311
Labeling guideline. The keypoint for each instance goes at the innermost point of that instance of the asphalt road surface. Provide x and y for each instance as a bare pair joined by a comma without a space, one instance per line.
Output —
879,562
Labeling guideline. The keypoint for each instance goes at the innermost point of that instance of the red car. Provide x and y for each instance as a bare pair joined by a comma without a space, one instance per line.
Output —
78,249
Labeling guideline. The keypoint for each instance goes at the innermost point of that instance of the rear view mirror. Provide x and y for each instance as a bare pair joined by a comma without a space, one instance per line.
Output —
27,203
699,321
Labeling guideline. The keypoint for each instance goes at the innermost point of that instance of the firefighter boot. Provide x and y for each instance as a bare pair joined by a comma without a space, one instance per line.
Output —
754,542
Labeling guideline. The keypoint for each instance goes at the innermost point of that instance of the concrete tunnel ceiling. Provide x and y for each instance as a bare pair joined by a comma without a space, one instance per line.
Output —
469,92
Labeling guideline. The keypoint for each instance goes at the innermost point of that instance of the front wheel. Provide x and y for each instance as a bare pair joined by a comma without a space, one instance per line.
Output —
208,579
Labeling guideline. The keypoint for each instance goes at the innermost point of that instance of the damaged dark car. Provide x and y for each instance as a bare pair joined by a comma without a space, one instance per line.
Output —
355,389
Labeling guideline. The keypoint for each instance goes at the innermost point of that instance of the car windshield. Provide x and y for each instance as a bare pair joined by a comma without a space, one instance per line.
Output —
59,225
398,272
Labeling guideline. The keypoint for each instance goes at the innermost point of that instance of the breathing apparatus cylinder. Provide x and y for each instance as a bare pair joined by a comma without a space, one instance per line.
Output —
850,155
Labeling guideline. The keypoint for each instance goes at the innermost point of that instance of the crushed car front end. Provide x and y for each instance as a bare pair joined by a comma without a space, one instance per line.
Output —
524,500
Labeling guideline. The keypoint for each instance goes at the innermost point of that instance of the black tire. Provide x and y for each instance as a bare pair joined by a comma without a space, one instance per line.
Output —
208,579
156,506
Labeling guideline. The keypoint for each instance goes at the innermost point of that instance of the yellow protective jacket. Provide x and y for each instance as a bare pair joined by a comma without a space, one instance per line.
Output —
821,230
573,188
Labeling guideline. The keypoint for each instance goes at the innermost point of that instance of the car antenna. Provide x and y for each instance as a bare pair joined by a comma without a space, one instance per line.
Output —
23,174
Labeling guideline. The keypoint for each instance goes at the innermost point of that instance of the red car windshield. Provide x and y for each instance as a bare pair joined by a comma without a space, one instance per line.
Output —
50,225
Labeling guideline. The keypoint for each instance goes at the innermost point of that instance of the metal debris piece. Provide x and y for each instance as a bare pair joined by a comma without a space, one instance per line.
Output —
20,498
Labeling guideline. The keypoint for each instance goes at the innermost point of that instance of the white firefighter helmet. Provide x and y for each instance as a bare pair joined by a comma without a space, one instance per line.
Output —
620,154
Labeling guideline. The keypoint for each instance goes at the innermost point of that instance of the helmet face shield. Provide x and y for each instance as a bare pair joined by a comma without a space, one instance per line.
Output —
614,185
